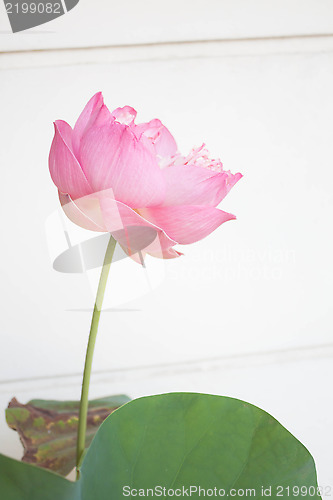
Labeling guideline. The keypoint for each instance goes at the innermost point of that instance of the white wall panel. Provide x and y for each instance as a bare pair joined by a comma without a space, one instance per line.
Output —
246,312
257,284
281,383
105,22
166,51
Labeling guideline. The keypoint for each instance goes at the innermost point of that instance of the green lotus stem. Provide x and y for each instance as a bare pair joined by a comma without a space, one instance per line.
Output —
82,428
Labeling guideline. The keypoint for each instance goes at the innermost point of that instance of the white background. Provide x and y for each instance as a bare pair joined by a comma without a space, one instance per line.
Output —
246,312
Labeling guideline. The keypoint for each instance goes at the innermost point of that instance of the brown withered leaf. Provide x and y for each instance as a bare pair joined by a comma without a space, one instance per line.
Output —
48,429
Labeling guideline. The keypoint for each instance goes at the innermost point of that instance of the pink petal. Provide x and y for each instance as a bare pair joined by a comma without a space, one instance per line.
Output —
186,223
85,212
95,112
138,257
128,227
164,143
65,170
101,212
125,115
133,232
192,185
112,157
162,247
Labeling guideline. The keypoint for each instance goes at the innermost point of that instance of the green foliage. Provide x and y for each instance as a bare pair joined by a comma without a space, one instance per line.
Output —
175,441
48,429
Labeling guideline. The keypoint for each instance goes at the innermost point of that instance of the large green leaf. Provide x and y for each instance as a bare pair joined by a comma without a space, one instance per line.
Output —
175,441
48,429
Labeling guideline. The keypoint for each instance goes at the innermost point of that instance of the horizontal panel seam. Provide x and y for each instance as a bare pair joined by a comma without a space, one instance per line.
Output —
171,43
284,355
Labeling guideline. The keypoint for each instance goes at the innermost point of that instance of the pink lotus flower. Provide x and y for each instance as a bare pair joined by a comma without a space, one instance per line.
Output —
130,180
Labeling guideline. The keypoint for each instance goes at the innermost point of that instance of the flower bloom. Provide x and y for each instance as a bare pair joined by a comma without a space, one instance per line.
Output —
130,180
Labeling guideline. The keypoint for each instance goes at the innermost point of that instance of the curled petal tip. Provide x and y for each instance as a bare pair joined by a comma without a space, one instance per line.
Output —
125,115
58,124
98,95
